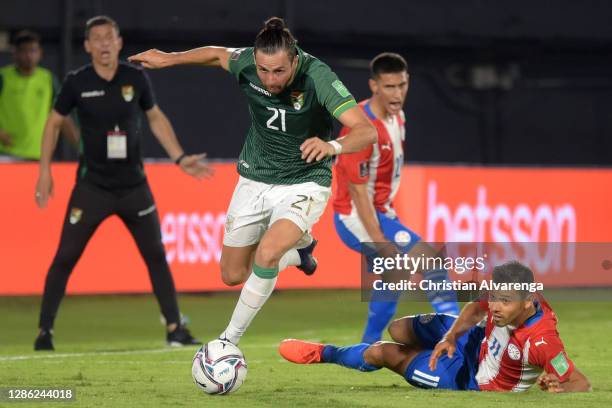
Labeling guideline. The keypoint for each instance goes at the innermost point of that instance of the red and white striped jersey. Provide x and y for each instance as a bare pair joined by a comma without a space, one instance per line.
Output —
511,359
378,165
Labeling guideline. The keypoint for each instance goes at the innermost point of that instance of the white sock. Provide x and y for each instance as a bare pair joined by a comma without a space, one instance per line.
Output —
254,294
291,258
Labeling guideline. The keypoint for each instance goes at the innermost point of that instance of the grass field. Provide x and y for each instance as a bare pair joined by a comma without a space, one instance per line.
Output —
111,350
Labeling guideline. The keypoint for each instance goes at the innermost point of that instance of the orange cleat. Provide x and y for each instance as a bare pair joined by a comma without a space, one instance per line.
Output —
300,351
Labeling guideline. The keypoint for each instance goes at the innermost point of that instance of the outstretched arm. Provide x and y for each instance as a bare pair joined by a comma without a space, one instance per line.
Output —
577,382
209,56
164,132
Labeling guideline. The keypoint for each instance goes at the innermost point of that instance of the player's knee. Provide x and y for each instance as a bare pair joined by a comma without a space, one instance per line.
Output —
233,275
395,330
401,331
267,256
232,279
374,355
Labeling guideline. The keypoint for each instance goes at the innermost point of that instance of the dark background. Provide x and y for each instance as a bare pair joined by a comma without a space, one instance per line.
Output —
492,82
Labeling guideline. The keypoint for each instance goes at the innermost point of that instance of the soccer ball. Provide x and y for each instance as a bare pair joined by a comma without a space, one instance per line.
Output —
219,367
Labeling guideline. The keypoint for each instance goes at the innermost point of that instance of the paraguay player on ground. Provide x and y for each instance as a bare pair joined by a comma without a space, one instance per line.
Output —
507,341
368,181
285,164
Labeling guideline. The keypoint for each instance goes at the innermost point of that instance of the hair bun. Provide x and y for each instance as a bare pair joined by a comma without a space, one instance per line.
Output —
275,23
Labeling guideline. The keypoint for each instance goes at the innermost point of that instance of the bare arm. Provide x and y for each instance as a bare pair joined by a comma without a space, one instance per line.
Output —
362,134
577,382
209,56
44,185
469,317
164,132
366,211
70,131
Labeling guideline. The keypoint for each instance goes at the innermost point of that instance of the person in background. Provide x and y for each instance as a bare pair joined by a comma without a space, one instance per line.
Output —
26,97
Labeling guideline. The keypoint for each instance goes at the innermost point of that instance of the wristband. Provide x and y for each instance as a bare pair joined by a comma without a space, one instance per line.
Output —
337,147
181,157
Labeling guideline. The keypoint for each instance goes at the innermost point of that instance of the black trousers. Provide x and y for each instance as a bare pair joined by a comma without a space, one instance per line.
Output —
88,207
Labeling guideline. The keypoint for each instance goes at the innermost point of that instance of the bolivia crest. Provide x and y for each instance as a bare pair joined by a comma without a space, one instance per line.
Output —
127,91
297,99
75,215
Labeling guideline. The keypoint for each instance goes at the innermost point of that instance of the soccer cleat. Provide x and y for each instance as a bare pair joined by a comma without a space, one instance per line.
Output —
44,341
301,352
309,262
181,337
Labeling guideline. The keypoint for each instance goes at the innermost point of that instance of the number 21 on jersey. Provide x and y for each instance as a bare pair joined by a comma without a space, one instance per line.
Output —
275,114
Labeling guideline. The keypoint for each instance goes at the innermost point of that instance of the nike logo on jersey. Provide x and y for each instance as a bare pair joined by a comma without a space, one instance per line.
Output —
386,146
537,343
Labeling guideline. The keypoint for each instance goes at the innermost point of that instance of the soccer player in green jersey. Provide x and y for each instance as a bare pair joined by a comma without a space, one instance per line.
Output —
285,164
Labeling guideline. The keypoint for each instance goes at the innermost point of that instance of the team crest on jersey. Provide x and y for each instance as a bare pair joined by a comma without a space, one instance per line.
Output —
297,99
75,215
513,352
127,91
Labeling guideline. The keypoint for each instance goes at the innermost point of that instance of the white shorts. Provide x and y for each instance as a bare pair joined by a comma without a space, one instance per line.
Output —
255,206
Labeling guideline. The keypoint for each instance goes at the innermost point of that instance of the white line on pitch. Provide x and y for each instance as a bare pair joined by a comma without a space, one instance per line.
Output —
95,353
112,353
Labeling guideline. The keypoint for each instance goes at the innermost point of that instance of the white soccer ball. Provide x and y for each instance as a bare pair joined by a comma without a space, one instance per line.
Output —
219,367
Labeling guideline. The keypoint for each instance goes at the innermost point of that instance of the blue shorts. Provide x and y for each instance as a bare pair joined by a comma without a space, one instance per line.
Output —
456,373
354,234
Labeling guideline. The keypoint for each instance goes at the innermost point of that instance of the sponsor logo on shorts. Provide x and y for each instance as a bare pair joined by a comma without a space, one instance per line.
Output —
513,352
426,318
402,238
146,211
75,215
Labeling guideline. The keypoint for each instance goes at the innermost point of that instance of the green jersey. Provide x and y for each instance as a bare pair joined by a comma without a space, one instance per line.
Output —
281,123
25,103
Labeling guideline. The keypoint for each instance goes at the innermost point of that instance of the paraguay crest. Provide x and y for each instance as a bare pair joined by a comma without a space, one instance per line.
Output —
297,99
75,215
127,91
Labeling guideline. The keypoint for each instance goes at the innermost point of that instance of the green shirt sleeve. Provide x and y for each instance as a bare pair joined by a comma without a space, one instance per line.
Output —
331,92
239,59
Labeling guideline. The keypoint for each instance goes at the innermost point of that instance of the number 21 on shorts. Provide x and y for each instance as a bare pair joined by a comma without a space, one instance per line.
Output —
299,204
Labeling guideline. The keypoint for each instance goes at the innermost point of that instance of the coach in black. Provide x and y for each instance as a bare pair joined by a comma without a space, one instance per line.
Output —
109,95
